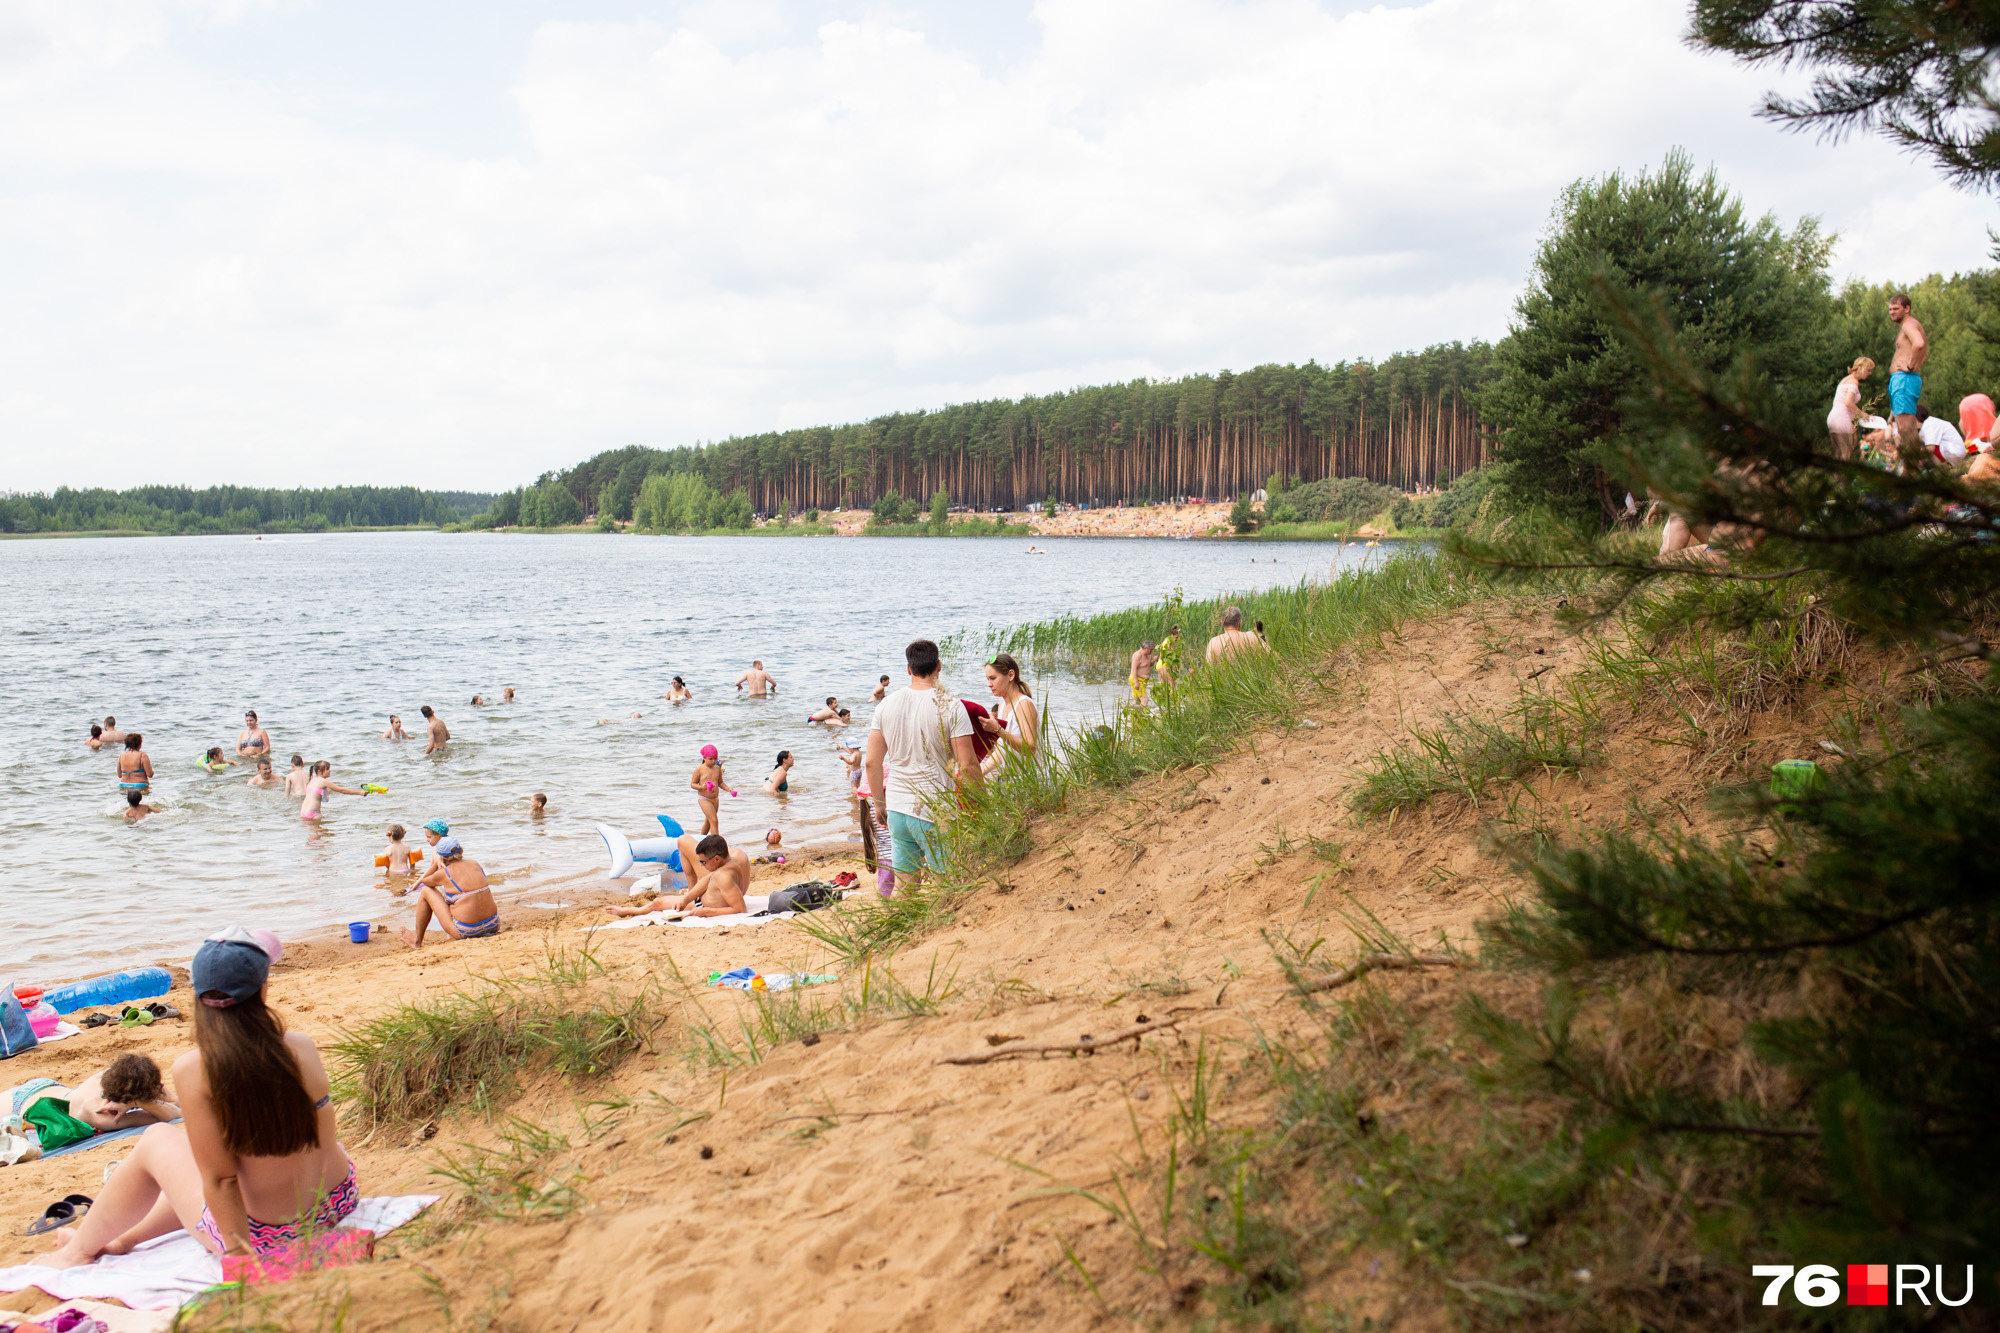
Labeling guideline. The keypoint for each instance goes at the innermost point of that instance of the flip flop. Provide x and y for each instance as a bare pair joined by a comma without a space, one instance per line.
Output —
134,1017
60,1214
98,1021
159,1010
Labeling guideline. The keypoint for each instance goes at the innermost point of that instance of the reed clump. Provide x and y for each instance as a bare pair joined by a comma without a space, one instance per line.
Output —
471,1048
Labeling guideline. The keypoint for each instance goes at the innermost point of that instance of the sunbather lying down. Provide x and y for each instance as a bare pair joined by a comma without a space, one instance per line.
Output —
717,890
126,1094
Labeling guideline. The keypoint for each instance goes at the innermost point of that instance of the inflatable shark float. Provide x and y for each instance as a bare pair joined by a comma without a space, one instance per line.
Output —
624,851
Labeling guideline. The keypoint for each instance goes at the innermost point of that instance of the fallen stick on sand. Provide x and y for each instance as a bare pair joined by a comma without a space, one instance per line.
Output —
1071,1047
1379,962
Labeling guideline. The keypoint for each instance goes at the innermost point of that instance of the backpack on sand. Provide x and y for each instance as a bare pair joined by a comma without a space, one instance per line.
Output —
810,896
16,1033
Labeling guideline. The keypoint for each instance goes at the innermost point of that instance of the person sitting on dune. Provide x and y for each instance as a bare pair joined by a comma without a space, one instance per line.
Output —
466,910
716,891
259,1159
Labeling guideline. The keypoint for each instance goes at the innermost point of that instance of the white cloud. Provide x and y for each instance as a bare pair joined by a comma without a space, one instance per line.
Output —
726,219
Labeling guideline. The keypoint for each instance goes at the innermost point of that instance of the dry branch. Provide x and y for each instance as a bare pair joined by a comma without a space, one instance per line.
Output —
1131,1034
1379,962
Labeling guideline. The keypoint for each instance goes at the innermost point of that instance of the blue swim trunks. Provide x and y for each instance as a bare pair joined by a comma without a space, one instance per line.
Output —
1905,387
914,842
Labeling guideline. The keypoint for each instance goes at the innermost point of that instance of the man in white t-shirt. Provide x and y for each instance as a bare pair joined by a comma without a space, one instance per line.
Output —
919,731
1940,438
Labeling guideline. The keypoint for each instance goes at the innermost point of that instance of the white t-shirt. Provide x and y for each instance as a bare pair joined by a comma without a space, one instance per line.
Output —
1846,402
1942,438
913,736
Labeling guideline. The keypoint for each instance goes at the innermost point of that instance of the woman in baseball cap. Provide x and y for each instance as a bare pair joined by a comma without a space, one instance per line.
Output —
255,1161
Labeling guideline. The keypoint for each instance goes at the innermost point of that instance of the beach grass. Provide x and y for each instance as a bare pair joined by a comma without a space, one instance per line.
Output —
470,1048
1468,756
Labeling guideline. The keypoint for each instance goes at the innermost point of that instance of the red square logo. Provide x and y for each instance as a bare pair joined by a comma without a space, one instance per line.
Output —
1868,1284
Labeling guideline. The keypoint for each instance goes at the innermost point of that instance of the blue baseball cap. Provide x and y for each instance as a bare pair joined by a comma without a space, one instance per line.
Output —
449,847
230,968
438,826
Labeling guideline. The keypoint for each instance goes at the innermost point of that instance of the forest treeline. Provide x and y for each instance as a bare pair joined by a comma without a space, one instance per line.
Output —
1411,420
221,509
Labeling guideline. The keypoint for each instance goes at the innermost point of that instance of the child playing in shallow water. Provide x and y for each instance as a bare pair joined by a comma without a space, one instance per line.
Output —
538,804
298,779
136,807
706,783
396,851
214,761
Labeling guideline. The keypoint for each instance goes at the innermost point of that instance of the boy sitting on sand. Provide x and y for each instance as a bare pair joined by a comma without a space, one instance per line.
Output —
716,891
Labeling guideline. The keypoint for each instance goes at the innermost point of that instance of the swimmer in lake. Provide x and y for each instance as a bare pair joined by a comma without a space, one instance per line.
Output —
136,808
264,777
253,742
780,780
759,680
707,784
437,733
298,779
395,731
716,891
113,736
319,785
96,738
478,702
538,805
678,692
507,695
826,714
215,761
880,691
135,767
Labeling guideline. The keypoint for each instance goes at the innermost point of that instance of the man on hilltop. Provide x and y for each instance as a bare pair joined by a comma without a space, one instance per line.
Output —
919,732
1906,381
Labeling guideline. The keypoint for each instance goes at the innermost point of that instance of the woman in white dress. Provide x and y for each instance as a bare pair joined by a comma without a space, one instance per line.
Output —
1840,422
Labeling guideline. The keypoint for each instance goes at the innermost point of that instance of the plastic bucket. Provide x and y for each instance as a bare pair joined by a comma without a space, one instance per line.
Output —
358,931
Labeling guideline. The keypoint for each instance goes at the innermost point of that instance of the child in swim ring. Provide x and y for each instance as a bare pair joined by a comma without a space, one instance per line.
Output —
214,761
706,781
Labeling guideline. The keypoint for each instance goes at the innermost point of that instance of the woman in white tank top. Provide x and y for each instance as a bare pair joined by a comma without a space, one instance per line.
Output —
1840,422
1017,709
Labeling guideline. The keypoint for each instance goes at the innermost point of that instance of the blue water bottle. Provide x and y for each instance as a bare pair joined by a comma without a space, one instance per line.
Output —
134,983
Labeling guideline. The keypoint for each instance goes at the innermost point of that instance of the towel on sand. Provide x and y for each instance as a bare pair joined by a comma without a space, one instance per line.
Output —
114,1317
167,1273
756,902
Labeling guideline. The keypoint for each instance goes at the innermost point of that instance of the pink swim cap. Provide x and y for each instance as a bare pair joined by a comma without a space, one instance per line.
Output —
708,752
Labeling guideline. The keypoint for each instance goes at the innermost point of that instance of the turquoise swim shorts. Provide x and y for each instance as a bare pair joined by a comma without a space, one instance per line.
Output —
1905,387
914,842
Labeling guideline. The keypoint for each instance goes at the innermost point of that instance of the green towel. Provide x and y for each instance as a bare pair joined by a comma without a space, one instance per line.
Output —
55,1126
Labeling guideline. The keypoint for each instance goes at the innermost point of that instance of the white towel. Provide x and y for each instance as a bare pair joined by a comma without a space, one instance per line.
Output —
756,902
167,1273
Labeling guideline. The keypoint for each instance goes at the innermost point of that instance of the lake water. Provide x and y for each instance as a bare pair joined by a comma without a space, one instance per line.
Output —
325,636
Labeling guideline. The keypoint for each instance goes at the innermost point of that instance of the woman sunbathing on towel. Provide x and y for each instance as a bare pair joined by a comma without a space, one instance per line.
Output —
255,1161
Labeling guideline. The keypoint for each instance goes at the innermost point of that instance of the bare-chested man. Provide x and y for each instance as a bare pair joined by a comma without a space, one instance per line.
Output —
439,733
1906,381
264,777
758,680
1145,662
112,736
880,691
1233,638
717,890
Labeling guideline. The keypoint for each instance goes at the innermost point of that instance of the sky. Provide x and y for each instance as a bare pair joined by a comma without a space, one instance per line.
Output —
457,243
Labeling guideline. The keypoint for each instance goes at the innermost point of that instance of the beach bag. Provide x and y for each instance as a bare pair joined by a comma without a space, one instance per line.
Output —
807,897
16,1033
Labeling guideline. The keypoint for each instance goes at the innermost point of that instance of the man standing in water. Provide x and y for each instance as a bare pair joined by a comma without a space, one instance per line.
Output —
758,681
1144,660
112,736
253,742
1906,382
1232,639
440,734
909,733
